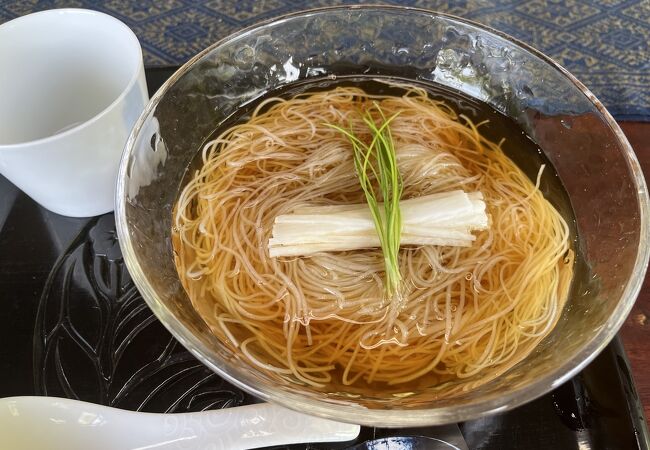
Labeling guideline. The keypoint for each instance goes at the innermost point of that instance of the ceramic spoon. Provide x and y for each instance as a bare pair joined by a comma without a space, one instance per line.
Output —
33,423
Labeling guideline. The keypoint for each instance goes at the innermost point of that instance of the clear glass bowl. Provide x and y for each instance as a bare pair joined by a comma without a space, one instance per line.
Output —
590,153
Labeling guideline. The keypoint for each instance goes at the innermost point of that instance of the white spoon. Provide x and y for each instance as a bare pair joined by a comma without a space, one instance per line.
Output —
33,423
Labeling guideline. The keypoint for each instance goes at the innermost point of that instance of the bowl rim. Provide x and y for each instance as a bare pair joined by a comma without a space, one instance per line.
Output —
393,417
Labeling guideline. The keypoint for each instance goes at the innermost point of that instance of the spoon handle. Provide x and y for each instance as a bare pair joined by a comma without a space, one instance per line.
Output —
253,426
34,423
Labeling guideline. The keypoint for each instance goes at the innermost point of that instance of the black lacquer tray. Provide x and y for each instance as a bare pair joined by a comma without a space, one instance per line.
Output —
72,324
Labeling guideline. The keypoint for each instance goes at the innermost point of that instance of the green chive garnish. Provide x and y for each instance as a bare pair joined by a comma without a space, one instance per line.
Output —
378,161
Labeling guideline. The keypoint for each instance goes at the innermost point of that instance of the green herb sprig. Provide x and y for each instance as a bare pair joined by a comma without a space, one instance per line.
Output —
378,161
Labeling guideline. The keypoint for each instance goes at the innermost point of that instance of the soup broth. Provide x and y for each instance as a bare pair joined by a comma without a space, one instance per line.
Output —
463,315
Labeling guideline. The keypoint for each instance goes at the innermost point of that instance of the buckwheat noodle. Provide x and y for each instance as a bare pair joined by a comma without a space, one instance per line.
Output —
466,312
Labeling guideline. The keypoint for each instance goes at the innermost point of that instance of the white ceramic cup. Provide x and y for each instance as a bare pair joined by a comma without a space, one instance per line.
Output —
71,88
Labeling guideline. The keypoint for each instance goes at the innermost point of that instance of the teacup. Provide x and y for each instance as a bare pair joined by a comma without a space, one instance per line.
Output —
71,87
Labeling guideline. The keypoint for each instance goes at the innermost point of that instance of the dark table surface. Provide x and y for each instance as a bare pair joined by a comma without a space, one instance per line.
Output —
636,331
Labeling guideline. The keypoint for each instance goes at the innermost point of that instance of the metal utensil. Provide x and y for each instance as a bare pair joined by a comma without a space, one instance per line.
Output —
446,437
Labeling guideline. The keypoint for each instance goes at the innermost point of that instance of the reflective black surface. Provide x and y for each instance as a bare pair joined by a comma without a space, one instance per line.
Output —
73,325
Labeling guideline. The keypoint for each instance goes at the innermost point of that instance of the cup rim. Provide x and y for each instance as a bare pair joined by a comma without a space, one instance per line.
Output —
123,93
376,417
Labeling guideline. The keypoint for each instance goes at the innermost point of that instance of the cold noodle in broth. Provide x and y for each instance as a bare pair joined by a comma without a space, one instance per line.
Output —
269,249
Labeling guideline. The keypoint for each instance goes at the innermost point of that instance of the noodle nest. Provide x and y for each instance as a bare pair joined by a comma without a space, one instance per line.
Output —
465,316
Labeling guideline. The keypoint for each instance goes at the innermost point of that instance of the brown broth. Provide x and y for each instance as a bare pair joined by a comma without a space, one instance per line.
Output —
519,147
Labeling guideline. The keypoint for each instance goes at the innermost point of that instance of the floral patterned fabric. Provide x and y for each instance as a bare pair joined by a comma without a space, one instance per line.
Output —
605,43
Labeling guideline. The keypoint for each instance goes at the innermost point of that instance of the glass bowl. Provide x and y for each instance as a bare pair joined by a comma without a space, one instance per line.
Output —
590,153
